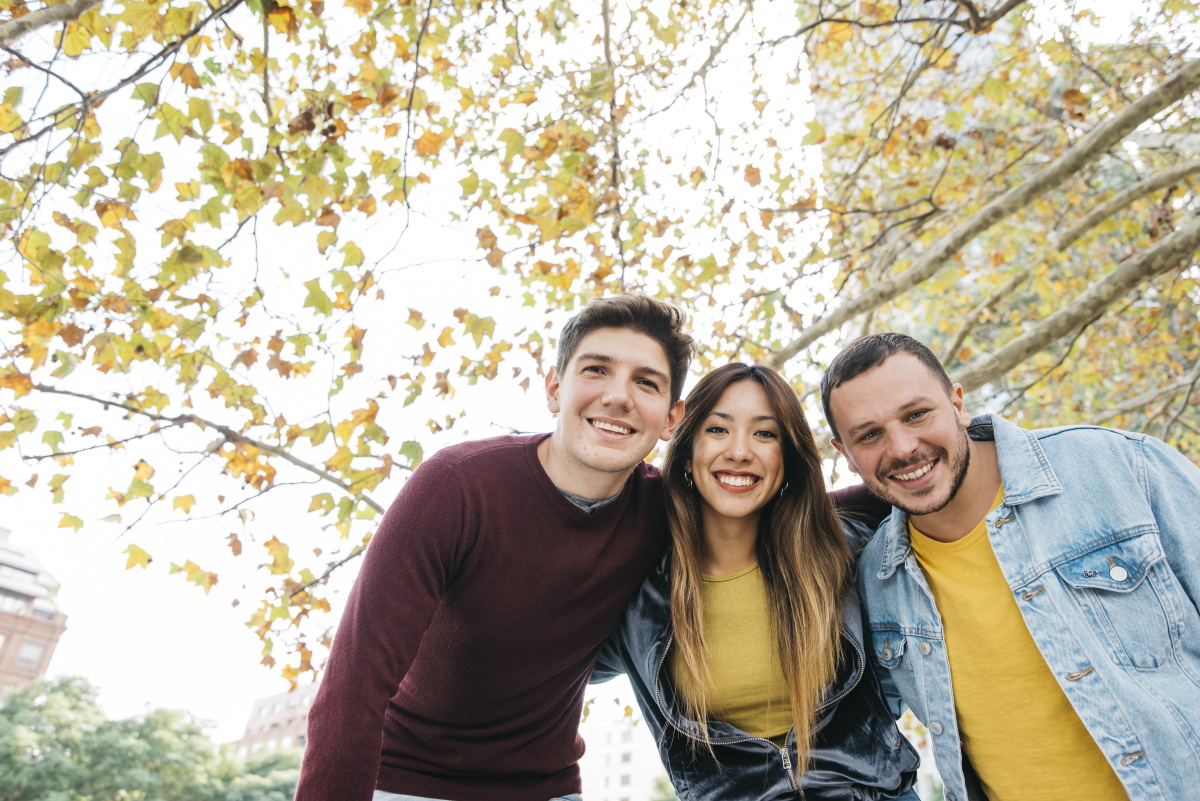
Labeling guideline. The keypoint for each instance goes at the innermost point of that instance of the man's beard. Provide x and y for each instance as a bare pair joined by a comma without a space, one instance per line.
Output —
958,471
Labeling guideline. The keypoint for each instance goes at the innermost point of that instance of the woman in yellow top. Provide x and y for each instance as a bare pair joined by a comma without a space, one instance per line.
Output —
744,646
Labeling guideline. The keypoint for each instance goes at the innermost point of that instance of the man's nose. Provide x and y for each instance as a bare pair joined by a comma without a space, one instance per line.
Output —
617,393
903,442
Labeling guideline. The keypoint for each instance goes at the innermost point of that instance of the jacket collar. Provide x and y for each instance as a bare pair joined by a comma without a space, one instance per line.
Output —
1024,470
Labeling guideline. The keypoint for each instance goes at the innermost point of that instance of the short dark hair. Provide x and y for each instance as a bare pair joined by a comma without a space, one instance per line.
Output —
868,352
663,322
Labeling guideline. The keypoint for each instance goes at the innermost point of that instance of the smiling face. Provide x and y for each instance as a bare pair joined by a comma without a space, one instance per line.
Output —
903,434
613,402
737,460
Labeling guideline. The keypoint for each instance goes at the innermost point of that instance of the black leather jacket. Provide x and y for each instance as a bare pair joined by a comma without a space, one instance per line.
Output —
858,753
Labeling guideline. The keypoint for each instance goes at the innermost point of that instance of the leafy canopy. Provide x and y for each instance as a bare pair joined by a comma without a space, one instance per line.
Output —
221,222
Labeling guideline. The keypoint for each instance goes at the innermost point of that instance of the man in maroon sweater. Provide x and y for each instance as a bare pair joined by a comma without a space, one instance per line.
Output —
459,667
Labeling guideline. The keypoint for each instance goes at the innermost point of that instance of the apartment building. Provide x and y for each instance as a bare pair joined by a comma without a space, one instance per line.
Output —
30,620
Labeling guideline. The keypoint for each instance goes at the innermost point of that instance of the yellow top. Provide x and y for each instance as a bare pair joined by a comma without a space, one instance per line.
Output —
1020,732
747,689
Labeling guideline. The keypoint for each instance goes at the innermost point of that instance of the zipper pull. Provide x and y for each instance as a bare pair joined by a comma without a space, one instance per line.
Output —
787,765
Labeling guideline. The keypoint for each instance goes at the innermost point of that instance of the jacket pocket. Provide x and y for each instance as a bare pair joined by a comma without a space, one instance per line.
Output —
1126,592
887,646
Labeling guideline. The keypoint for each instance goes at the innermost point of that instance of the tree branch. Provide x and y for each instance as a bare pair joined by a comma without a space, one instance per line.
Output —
614,136
1189,143
1089,305
948,355
94,98
1139,402
358,551
1123,199
1086,150
13,30
230,436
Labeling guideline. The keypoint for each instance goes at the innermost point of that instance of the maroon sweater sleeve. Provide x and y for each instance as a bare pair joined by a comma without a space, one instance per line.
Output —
405,571
860,504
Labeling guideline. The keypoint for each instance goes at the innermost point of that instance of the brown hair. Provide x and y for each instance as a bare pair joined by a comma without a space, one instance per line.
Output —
663,322
802,553
868,352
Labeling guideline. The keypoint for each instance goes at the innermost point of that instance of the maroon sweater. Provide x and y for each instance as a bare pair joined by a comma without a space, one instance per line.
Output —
460,664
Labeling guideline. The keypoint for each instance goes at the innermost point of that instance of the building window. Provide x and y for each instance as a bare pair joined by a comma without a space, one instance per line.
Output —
30,655
627,735
626,757
16,604
626,780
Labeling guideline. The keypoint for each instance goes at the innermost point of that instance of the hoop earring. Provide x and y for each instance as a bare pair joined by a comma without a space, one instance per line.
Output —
687,477
783,489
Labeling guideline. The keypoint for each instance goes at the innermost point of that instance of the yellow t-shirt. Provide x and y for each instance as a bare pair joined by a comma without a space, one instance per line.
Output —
747,689
1020,732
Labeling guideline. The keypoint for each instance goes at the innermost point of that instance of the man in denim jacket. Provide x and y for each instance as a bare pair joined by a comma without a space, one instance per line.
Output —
1033,596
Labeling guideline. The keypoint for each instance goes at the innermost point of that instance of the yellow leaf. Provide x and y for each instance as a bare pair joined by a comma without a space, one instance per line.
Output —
186,73
363,7
184,502
280,561
142,471
19,383
70,521
430,143
752,175
137,557
446,339
815,135
76,40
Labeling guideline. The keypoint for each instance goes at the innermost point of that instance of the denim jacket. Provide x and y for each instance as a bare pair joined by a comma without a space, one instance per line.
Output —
1098,538
858,753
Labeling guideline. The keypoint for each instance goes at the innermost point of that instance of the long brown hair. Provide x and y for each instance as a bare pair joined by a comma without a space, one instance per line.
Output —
802,554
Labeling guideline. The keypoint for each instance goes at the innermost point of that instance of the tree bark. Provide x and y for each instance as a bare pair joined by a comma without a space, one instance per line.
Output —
13,30
1183,142
1089,305
1100,139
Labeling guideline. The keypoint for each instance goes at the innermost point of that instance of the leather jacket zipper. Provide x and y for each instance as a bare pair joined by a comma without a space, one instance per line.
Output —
783,750
787,765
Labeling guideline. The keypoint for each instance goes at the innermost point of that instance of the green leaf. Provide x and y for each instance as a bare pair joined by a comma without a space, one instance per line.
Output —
513,141
317,299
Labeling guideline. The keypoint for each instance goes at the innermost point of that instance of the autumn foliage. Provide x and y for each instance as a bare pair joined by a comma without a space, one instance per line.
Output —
219,225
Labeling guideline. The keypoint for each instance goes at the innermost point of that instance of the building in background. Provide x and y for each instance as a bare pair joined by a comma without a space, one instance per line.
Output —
621,762
30,621
278,721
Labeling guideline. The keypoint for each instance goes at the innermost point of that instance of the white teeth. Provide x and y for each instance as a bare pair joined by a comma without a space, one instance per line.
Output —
915,474
603,426
737,481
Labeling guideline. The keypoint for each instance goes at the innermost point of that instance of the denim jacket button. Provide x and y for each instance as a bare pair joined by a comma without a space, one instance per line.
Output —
925,649
886,653
950,796
1118,573
936,728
